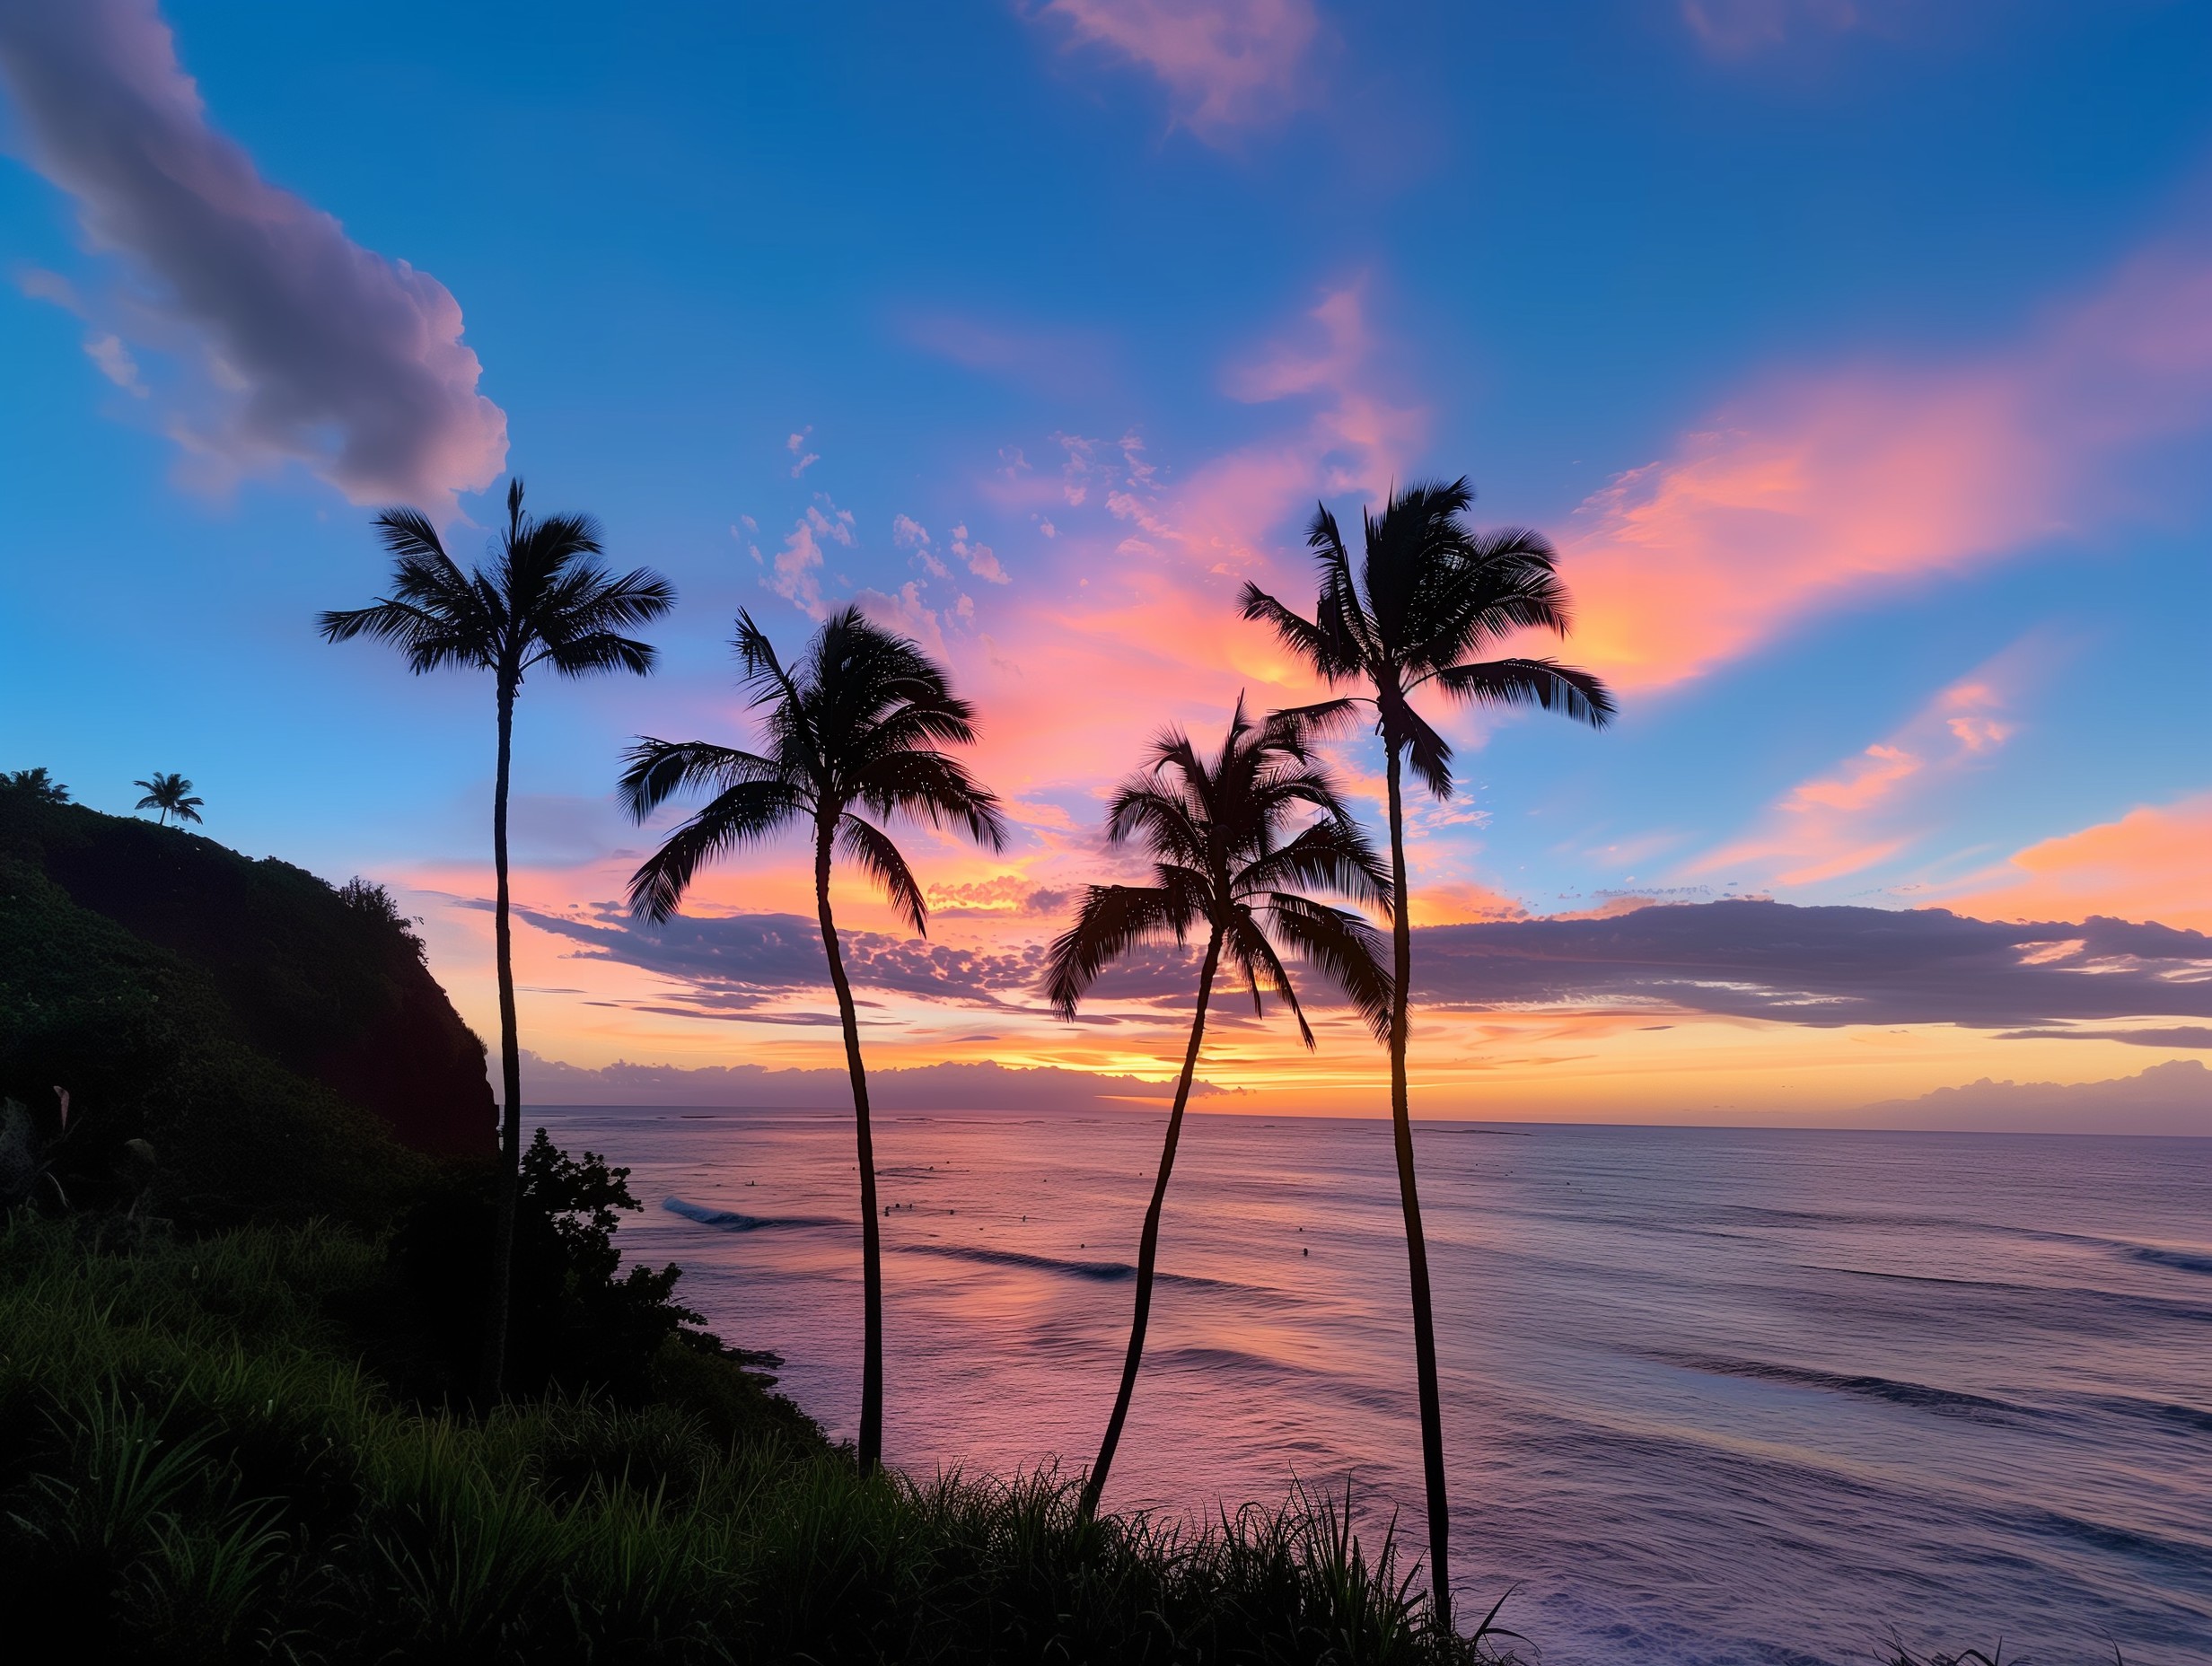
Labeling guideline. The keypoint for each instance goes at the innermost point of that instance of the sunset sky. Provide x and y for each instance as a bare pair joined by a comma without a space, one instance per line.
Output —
1857,355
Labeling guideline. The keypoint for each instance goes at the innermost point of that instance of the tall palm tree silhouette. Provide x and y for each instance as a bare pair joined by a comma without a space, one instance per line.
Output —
855,725
171,795
1221,866
1430,593
544,600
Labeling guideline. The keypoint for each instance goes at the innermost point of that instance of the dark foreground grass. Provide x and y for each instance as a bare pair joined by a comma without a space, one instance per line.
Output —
194,1467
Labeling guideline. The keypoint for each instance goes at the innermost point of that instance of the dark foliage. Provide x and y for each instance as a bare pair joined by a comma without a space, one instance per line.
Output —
581,1320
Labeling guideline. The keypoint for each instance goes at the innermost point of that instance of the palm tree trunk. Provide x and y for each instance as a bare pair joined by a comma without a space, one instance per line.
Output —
1148,1244
871,1240
1410,1198
494,1363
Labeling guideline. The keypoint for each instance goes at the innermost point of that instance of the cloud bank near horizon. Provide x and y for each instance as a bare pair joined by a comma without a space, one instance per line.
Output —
951,1085
291,342
2171,1099
2174,1097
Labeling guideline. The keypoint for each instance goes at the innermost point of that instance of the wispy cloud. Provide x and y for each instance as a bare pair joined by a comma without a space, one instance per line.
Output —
1226,64
1733,28
1056,361
1872,806
1814,491
290,342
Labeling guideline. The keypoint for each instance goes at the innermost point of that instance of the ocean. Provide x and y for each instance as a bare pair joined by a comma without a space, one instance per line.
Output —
1729,1397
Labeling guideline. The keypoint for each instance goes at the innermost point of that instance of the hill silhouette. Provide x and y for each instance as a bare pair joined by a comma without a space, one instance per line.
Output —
271,1034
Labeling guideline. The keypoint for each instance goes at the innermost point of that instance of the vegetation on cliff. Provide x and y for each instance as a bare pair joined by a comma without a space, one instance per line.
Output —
272,1038
204,1458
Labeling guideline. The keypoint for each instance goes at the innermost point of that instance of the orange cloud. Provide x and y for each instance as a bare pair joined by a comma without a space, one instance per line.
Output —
1814,490
2154,863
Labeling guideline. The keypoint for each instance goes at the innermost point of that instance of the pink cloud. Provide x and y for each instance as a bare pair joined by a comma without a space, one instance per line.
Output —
1814,490
1226,62
1132,605
292,342
795,571
979,556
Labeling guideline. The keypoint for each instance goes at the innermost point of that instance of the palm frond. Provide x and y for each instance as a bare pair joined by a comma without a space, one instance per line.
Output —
1545,683
931,788
1254,957
1346,948
743,815
1113,920
654,771
1330,855
871,849
1428,752
602,651
1141,809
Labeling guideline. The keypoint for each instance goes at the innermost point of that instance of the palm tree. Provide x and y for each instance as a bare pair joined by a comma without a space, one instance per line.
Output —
1431,593
169,794
544,600
857,722
1221,864
40,783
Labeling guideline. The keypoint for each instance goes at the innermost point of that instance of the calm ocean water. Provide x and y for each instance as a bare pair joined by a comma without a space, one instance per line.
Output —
1711,1396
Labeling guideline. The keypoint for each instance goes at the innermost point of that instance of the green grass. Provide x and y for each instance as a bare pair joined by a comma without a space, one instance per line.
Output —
195,1467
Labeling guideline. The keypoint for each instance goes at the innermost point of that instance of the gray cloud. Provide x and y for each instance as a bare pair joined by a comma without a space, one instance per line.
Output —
2174,1035
1818,967
293,342
736,962
1822,967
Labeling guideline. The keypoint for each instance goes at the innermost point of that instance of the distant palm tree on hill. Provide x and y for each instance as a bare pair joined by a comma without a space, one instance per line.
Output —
855,725
169,794
544,600
1430,593
1223,867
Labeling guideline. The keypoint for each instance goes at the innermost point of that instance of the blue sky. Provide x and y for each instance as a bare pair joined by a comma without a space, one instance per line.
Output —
1859,357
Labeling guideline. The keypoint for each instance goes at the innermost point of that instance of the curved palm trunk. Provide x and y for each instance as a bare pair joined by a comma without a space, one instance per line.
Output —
871,1242
1148,1244
494,1369
1410,1199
